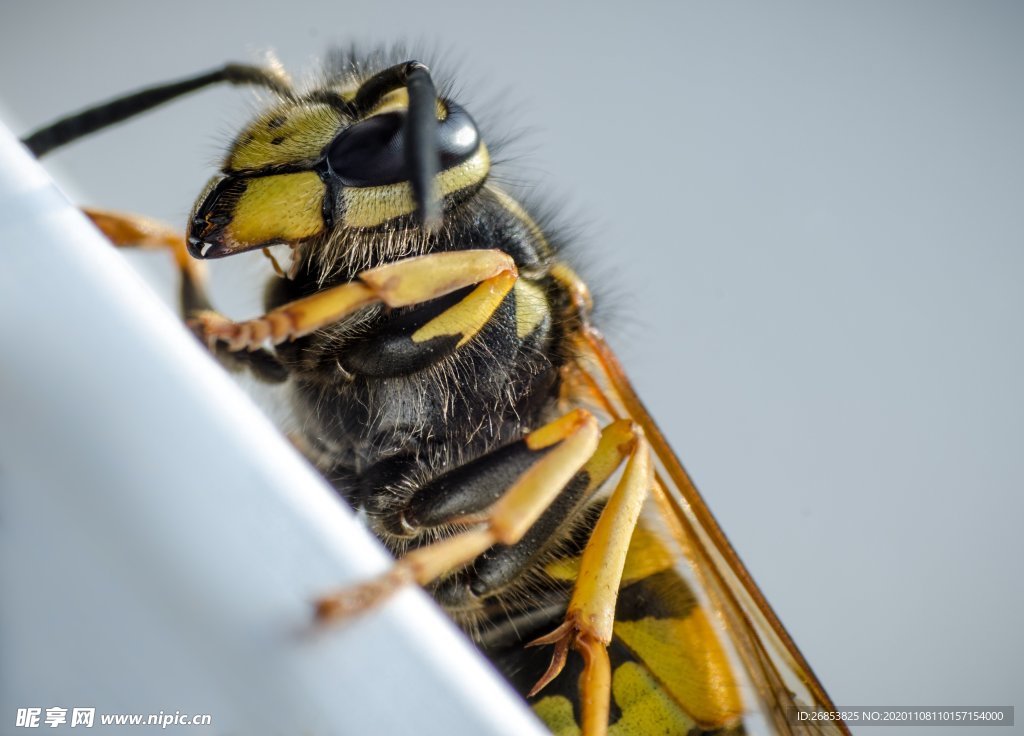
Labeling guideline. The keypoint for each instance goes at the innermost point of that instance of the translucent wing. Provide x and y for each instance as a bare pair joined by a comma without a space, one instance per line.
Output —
694,629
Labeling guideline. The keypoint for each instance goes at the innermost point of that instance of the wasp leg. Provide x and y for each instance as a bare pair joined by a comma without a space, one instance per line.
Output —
81,124
461,491
399,284
590,616
135,231
572,440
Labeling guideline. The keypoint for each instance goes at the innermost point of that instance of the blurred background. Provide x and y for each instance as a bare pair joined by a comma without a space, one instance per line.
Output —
806,223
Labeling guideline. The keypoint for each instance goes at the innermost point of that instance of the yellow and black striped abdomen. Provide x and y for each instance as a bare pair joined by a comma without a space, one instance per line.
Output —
670,673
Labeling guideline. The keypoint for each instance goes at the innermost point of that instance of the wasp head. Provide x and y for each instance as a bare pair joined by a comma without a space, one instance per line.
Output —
356,159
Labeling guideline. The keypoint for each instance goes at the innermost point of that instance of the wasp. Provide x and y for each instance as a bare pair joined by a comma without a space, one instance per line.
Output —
449,381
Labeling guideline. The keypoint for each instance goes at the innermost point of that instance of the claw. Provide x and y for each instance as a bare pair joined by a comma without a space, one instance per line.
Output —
578,633
210,326
561,638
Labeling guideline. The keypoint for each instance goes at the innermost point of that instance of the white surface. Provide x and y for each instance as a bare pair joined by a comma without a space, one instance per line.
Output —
808,218
159,544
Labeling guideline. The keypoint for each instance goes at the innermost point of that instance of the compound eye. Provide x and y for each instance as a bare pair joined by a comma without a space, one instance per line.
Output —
457,137
370,153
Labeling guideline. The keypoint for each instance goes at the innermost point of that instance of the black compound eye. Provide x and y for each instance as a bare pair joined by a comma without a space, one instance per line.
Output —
457,137
372,153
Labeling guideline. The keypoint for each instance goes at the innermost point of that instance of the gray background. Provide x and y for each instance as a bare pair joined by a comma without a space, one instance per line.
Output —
807,219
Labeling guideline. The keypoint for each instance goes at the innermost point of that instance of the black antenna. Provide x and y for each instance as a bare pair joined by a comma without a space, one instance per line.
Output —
422,159
90,120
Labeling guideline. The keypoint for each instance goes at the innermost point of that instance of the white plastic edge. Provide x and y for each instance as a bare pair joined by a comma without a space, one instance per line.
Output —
160,544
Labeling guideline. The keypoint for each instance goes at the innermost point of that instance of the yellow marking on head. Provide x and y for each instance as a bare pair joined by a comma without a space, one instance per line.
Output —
646,707
398,101
687,659
394,101
287,135
278,207
531,307
373,206
556,712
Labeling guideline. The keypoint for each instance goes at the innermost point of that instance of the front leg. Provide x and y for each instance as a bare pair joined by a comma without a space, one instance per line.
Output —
135,231
400,284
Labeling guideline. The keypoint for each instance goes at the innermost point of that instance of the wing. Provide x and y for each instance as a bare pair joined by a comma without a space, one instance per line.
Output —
695,639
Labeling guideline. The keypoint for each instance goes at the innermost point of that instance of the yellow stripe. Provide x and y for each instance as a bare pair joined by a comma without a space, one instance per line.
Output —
647,556
556,712
646,708
398,101
280,207
373,206
522,215
578,291
469,315
302,131
531,307
687,659
393,101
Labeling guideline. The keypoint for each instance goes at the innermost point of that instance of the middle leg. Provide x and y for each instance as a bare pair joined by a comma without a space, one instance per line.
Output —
552,456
